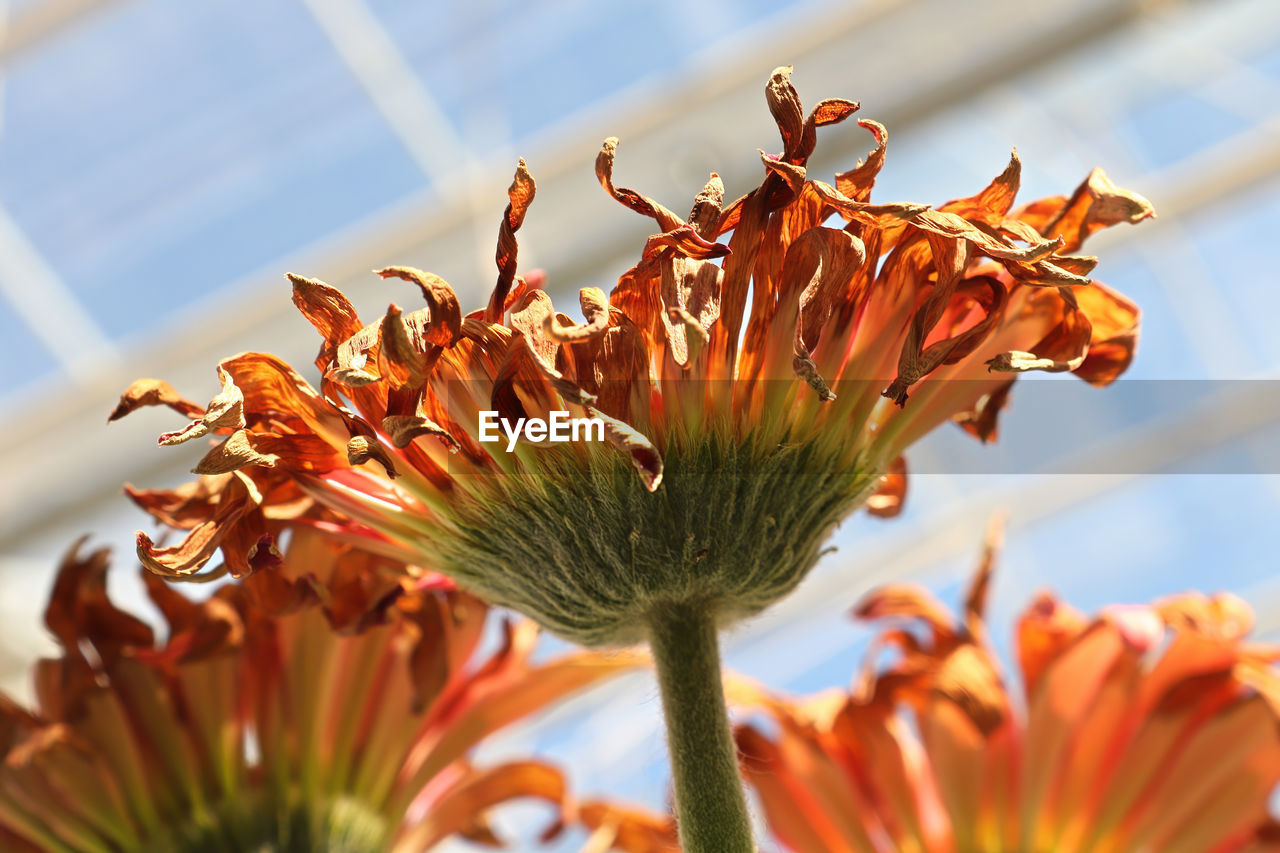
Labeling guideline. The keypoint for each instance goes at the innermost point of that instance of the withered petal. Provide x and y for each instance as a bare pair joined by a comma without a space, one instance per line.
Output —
153,392
858,182
196,549
519,196
666,220
445,326
362,448
327,309
643,455
225,411
403,429
595,308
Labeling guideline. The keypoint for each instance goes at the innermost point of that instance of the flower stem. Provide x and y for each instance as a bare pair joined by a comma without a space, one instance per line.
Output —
710,805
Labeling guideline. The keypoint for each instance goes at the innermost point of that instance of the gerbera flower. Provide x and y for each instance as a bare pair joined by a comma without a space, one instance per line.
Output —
1144,728
761,388
277,715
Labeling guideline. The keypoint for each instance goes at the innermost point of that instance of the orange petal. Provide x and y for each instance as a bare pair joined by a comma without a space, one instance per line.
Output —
153,392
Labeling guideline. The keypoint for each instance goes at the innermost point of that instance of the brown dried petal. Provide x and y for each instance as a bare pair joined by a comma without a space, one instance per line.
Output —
352,357
225,411
981,422
992,205
403,429
690,288
362,448
234,453
297,452
705,215
193,552
858,181
519,196
1062,349
827,258
183,507
529,317
332,314
445,326
595,307
644,456
1096,204
153,392
400,363
666,220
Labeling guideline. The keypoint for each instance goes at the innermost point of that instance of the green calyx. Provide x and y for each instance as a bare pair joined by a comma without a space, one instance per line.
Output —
583,548
257,822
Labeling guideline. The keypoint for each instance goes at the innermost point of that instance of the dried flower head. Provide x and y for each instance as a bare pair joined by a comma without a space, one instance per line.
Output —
761,387
328,705
1144,728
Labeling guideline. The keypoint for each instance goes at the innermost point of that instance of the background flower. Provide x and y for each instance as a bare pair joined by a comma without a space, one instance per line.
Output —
1142,728
270,718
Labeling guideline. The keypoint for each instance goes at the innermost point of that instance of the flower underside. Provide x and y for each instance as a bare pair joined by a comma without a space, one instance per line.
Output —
760,369
738,526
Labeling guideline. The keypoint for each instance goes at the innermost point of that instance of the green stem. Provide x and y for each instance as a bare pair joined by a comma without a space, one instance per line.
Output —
710,805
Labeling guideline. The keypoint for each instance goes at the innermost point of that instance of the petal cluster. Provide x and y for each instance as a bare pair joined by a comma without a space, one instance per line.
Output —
802,318
331,704
1152,728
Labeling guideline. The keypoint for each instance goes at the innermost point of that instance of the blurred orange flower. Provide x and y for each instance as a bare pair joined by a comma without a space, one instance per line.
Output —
763,387
1145,728
275,715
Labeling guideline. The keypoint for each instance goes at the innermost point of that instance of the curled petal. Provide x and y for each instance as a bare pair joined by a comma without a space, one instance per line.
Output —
858,181
982,294
153,392
1062,349
531,317
1113,336
705,215
666,220
332,314
827,258
234,453
301,452
183,507
403,429
196,549
400,362
689,289
687,242
445,322
595,307
352,356
80,608
519,196
981,421
362,448
1096,204
225,411
784,104
643,455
